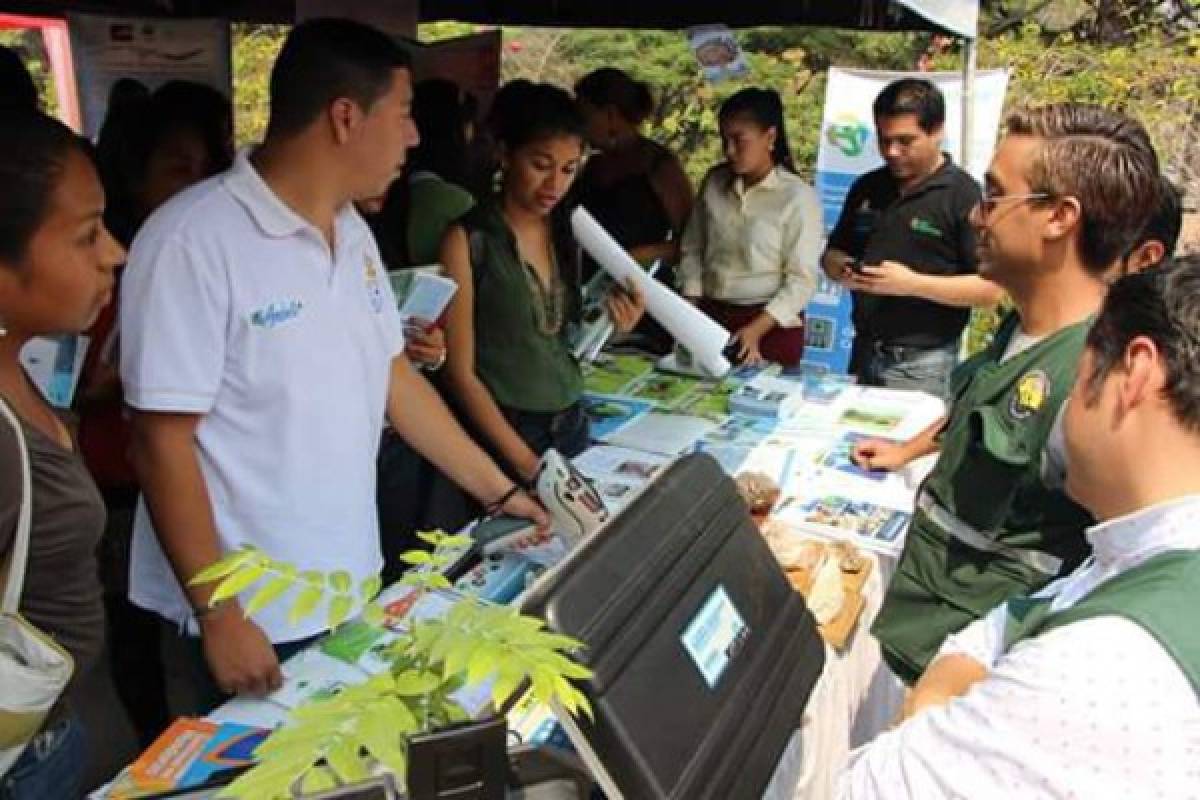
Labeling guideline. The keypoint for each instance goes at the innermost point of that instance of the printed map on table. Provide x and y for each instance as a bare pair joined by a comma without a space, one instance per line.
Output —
612,374
839,457
608,413
872,419
875,524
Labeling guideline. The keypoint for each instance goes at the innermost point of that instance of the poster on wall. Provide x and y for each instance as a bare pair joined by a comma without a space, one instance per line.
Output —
152,51
718,53
848,148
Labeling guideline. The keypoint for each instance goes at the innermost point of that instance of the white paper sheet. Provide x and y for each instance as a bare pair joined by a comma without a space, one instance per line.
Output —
690,326
663,433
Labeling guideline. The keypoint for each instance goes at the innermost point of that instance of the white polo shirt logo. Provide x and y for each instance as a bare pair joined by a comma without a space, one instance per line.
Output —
275,314
374,285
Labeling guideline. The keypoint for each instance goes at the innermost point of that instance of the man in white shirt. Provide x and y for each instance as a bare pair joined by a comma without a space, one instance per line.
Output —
262,349
1090,687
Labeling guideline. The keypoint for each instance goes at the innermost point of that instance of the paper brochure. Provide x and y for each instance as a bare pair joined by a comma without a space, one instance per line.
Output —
691,327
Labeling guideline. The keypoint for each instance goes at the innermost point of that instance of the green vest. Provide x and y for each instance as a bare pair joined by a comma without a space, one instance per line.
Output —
1160,595
524,367
986,528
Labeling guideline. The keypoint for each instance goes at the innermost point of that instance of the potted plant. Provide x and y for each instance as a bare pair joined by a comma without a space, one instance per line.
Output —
339,740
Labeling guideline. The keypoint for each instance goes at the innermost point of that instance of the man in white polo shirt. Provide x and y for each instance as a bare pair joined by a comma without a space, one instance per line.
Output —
261,350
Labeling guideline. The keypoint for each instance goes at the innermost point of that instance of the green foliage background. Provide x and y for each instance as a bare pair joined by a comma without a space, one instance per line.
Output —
1140,56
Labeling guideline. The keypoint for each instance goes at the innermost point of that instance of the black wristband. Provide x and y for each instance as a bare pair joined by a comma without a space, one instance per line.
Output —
493,508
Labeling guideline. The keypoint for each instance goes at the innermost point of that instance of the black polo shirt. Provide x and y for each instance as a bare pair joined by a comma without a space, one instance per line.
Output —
928,230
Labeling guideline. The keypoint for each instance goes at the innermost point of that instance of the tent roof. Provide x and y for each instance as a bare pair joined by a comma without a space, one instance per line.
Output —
879,15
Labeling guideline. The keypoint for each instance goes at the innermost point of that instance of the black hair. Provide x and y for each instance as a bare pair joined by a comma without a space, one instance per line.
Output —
326,59
538,111
441,122
17,89
33,153
439,112
1166,221
765,107
137,124
1162,303
609,86
915,96
506,102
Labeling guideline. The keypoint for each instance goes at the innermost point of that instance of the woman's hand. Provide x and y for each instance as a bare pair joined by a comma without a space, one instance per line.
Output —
625,306
749,338
426,345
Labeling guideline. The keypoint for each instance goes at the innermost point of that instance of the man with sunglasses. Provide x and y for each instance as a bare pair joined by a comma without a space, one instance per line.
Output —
904,246
1068,192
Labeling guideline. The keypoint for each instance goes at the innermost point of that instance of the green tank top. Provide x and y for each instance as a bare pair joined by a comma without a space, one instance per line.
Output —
1160,595
521,350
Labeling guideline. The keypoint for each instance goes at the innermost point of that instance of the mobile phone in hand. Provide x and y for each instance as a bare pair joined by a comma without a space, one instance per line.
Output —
855,265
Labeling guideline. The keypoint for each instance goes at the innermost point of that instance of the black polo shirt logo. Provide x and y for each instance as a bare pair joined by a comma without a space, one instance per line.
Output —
924,227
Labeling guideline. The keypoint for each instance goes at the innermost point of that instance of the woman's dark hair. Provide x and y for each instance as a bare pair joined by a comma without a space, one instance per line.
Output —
17,90
138,124
765,108
609,86
538,111
33,153
438,112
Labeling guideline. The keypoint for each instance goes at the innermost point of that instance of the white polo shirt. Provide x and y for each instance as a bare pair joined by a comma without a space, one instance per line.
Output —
233,307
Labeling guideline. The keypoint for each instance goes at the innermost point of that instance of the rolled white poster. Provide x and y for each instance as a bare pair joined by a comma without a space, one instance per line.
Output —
690,326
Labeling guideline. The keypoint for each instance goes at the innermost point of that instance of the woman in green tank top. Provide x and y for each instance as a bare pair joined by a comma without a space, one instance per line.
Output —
509,366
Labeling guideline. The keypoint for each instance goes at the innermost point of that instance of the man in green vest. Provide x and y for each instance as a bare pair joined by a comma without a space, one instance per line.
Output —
1090,687
1067,193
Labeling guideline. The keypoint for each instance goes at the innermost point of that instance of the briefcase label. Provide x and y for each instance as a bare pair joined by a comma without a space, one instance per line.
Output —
715,636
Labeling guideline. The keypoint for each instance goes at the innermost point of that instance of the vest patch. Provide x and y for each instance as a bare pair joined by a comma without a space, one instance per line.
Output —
1030,395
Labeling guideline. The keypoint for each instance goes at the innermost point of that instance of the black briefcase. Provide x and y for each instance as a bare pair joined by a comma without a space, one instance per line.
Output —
704,656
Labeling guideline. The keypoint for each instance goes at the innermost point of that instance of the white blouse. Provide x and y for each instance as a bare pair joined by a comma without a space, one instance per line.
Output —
753,245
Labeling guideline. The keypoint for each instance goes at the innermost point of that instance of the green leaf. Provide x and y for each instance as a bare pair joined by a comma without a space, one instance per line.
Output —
439,581
482,663
341,581
225,566
373,615
318,779
339,609
457,541
313,578
416,558
369,588
506,683
413,684
432,537
343,759
304,604
457,654
268,594
235,583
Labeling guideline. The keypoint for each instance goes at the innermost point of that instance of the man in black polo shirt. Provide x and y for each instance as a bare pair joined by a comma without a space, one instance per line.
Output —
904,247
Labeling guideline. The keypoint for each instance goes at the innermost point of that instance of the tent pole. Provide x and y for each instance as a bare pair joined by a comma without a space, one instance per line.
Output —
970,58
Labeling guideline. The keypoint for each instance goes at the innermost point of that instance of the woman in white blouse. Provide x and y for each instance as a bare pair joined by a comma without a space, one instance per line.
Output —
752,244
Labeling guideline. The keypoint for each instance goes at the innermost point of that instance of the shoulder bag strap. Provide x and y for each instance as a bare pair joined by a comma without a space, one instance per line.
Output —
20,549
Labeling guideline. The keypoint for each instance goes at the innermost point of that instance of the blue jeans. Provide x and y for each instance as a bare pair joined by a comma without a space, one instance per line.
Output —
902,367
51,766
